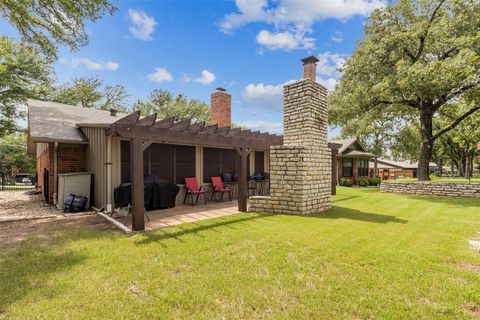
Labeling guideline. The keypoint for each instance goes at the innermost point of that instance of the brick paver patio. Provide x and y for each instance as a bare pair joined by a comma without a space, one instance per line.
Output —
187,213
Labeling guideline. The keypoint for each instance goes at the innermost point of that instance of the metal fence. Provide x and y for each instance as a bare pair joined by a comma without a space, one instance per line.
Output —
24,184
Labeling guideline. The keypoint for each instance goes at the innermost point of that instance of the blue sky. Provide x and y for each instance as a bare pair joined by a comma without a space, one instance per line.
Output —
249,47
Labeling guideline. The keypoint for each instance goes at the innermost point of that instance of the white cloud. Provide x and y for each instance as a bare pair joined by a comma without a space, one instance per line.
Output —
284,40
249,11
330,63
142,25
185,78
160,75
92,64
295,16
264,95
328,68
337,36
206,78
264,126
328,83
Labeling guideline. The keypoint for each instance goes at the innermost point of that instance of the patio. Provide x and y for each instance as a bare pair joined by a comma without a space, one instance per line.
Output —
185,213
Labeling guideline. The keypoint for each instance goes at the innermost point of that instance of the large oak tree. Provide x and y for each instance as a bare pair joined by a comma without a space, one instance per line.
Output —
22,74
165,105
45,24
417,56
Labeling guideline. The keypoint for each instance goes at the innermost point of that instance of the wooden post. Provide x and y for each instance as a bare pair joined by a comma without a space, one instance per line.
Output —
242,179
136,168
334,171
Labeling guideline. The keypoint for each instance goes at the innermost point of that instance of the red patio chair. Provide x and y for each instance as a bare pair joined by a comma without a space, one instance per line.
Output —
219,187
192,190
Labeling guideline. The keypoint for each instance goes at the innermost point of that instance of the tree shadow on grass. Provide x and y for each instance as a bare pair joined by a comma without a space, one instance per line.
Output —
195,228
337,212
339,198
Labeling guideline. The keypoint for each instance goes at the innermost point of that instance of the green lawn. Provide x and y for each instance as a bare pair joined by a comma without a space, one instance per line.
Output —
373,255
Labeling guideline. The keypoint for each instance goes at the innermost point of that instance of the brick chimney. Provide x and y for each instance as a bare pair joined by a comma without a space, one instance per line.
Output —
310,68
221,108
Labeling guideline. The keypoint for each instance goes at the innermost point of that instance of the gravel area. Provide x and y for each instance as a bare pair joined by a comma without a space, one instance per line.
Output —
19,204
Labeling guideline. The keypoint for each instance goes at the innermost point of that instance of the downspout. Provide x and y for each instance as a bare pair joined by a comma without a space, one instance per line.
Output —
55,172
109,174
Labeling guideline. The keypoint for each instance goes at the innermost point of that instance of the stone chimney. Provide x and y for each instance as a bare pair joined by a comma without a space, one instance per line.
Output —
301,169
221,108
310,68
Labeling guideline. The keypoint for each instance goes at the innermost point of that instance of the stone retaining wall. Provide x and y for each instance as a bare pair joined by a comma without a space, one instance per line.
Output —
449,189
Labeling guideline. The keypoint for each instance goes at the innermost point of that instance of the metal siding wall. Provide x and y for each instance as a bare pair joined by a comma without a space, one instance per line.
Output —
97,156
116,159
41,146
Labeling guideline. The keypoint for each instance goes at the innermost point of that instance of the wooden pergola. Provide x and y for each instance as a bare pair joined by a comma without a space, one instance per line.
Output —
142,132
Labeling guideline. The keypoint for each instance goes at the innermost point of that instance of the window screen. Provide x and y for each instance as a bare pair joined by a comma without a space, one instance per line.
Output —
227,164
217,161
169,162
161,160
184,163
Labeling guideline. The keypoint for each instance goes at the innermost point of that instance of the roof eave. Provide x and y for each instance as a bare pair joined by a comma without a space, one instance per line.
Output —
93,125
45,139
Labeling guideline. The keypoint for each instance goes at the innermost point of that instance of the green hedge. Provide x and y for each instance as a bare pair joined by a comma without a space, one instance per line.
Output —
374,181
345,182
363,182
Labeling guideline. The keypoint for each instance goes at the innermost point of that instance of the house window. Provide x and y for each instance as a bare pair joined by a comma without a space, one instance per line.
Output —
217,161
362,167
259,161
347,167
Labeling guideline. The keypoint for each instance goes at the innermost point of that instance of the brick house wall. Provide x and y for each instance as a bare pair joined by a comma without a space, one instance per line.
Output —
70,158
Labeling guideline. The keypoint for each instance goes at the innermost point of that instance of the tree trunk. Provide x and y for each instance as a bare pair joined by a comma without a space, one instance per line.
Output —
426,143
467,165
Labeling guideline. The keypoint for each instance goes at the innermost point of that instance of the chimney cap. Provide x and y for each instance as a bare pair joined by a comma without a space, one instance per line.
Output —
113,112
221,89
310,59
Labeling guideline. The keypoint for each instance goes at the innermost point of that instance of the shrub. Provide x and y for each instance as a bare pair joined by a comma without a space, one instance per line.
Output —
374,181
363,182
345,182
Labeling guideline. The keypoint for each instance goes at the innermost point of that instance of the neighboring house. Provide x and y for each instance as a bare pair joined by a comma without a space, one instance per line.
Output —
389,169
68,139
352,160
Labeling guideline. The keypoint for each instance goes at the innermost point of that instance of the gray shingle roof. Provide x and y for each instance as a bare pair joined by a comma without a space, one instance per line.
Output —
51,121
344,142
358,153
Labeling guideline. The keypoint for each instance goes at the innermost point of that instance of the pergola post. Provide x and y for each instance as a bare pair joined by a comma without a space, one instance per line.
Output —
242,179
136,167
